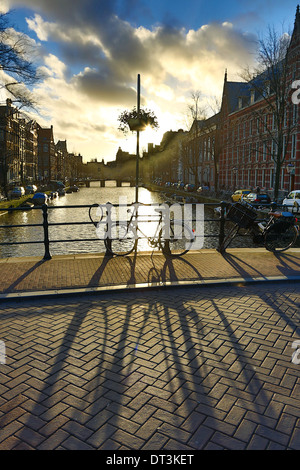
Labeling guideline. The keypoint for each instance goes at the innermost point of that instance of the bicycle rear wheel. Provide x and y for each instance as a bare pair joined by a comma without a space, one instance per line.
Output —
121,241
280,239
179,240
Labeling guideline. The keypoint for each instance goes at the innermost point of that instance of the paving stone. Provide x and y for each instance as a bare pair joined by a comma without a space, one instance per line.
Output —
212,370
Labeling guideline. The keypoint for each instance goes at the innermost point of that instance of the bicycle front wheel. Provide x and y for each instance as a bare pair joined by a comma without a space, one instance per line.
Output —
179,240
232,233
121,240
280,240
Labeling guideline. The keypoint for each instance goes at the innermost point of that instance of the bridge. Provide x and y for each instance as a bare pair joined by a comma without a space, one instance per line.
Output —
102,181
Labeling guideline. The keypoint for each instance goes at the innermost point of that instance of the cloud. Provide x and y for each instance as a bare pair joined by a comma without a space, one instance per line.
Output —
91,76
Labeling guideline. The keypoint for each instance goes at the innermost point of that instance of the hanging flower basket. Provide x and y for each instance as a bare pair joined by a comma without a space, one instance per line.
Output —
137,124
137,121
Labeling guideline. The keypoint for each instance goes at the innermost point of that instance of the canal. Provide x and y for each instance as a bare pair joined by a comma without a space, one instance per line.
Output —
85,196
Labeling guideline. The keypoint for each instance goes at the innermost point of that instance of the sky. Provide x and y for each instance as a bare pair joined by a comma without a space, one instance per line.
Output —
91,51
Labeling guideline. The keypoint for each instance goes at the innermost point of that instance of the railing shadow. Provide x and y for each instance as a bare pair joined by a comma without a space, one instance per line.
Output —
138,365
12,286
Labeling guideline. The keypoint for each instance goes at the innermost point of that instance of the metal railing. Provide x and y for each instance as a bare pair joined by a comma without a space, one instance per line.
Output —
46,241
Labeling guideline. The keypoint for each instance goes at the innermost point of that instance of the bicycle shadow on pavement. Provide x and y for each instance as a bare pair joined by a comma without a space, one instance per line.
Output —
173,270
150,270
241,267
287,263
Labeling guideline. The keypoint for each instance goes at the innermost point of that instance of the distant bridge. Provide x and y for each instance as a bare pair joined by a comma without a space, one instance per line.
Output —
102,182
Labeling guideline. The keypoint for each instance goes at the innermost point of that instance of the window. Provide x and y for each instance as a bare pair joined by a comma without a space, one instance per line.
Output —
285,118
271,177
265,122
208,148
257,151
251,127
283,146
255,177
257,126
264,151
295,113
294,143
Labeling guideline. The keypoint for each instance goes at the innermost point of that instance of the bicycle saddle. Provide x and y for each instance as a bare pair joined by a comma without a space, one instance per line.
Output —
280,214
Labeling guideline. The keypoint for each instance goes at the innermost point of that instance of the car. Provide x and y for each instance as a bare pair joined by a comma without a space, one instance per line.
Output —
30,189
257,198
39,199
201,189
239,193
16,192
292,200
189,187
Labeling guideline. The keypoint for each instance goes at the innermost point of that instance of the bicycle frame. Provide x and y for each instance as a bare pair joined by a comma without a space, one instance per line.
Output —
132,224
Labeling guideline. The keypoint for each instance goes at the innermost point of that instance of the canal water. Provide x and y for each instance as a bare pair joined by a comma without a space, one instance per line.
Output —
86,232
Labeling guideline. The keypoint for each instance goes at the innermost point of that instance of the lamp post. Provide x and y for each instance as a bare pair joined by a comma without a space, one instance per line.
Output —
137,140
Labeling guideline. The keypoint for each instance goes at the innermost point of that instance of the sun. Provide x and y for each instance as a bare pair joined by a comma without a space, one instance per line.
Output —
150,135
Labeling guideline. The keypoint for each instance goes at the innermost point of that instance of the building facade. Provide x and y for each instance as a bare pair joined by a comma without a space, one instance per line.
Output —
259,127
254,140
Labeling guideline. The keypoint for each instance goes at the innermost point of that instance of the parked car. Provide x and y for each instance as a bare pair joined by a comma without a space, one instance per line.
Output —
16,192
61,191
30,189
255,198
239,193
55,185
201,189
39,199
189,187
292,201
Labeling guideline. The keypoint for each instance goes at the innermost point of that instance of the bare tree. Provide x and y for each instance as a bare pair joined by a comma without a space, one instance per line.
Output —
269,81
190,148
18,69
17,74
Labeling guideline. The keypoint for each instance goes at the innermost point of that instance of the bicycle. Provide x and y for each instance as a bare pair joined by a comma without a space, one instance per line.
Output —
173,237
278,233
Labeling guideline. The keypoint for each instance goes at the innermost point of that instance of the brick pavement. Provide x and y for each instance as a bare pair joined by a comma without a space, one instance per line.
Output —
200,367
97,272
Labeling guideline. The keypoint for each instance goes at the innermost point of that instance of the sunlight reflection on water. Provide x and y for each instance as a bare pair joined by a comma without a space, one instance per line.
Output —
86,196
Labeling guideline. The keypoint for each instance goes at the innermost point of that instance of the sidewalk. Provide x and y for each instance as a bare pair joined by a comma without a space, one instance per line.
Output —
140,368
89,273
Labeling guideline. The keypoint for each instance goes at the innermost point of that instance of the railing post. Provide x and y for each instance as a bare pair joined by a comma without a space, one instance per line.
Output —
108,231
222,225
47,255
